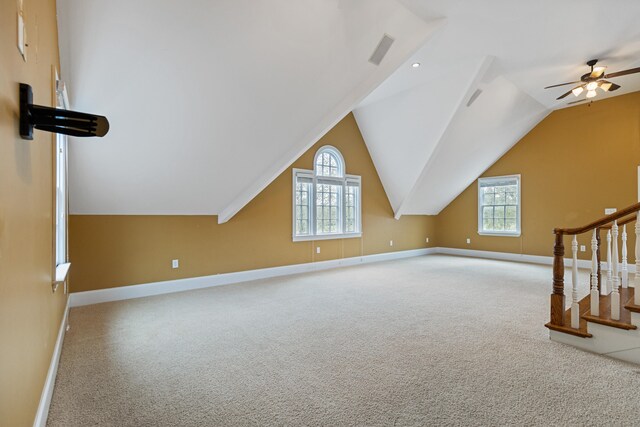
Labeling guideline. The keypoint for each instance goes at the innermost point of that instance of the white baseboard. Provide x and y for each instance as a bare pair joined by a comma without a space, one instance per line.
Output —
533,259
78,299
157,288
47,391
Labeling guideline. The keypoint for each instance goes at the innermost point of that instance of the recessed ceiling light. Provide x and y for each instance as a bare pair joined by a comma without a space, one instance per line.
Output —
415,64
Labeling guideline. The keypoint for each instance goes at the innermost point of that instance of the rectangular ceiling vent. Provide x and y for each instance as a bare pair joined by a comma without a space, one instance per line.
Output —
475,96
381,50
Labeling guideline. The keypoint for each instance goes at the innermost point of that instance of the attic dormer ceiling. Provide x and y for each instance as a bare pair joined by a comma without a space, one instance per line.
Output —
210,101
433,130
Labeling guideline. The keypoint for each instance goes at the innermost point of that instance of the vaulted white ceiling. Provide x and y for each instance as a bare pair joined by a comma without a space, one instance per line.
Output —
210,101
428,145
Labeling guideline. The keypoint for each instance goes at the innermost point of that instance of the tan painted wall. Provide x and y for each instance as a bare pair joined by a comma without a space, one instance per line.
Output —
574,164
109,251
30,314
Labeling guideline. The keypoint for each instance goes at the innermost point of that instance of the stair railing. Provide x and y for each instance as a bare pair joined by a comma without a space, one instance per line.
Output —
617,271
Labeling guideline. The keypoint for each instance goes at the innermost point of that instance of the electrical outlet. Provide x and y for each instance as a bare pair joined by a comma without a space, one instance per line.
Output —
468,241
318,250
427,240
583,248
390,242
175,263
609,211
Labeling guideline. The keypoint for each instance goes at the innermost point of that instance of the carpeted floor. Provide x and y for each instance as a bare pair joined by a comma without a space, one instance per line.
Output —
435,340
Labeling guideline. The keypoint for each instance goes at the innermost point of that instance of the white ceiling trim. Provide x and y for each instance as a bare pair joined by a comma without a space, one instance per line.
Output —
479,75
476,138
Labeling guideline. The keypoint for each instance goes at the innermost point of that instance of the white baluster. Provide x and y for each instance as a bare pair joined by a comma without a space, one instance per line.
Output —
624,272
615,294
595,295
609,282
575,309
636,298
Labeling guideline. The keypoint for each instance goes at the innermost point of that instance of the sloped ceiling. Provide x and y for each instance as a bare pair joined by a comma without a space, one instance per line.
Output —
428,145
209,101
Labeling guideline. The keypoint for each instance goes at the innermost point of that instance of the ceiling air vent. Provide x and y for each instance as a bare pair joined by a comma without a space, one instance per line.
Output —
475,96
381,50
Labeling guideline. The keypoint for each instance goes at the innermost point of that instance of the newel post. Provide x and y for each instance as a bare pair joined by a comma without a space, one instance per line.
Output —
557,297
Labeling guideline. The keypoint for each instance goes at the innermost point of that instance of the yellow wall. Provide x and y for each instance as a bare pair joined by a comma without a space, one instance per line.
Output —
574,164
30,314
109,251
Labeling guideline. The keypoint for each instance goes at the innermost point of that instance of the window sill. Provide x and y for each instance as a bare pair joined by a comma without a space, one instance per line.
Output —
326,237
498,234
62,271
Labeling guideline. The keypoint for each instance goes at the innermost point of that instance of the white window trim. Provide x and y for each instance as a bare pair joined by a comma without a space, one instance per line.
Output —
312,214
516,233
62,268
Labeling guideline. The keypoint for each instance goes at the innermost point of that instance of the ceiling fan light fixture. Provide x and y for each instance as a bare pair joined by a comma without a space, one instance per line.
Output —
598,71
591,93
577,91
591,86
606,86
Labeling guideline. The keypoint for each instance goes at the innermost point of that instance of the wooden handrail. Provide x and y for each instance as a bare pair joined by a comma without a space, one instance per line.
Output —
621,223
599,223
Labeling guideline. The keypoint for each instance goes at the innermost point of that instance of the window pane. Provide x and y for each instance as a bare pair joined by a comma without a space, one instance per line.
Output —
487,212
511,211
301,210
328,164
498,212
61,200
489,199
328,207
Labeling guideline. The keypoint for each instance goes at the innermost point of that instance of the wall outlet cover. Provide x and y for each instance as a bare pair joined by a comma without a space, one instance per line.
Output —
468,241
609,211
175,263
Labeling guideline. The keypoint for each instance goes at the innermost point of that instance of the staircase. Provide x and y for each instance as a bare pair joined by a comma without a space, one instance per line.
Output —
605,321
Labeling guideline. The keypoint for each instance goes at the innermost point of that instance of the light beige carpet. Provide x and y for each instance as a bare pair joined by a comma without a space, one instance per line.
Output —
434,340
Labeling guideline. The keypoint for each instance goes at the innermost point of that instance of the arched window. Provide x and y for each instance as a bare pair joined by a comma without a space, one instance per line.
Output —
326,201
329,162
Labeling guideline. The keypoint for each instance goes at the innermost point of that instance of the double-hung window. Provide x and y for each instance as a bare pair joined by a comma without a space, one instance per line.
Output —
326,201
61,198
499,205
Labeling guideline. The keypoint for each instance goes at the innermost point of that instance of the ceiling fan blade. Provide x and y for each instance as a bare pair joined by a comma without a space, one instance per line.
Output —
577,102
565,94
608,86
597,72
563,84
623,73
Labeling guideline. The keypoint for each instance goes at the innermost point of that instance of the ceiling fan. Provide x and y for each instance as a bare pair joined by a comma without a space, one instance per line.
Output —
593,80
